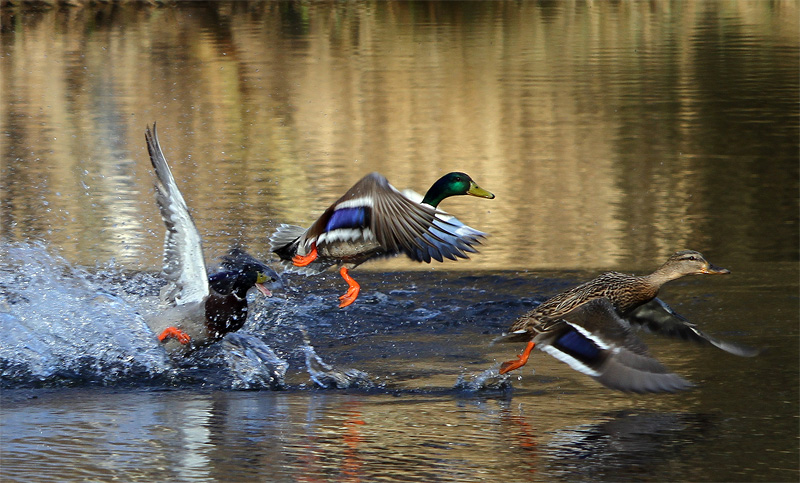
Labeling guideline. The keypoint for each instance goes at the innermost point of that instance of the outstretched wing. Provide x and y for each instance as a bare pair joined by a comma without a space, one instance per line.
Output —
594,340
184,266
374,214
658,317
448,236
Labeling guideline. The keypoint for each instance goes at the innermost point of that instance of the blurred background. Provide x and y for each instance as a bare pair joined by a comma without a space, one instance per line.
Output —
612,133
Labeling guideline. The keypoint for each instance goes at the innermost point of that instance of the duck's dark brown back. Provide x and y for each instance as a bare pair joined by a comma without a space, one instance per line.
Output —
626,292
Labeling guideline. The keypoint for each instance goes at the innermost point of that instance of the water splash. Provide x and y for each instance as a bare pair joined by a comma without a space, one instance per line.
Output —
252,364
57,325
488,380
63,325
328,377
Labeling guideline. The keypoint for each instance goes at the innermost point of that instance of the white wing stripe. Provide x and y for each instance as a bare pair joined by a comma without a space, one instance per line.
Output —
356,203
573,363
600,342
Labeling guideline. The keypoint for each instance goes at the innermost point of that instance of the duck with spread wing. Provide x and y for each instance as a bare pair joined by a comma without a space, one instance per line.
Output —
590,327
374,220
198,308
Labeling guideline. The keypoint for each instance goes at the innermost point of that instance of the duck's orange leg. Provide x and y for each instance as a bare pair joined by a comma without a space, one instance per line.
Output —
352,292
174,333
521,360
303,260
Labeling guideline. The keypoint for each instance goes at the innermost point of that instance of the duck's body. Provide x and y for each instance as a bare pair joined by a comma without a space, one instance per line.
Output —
625,292
185,325
589,326
374,220
197,308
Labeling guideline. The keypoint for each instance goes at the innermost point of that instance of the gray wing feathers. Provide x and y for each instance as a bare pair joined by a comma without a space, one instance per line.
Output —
443,236
184,266
658,317
448,238
631,372
624,363
730,347
398,223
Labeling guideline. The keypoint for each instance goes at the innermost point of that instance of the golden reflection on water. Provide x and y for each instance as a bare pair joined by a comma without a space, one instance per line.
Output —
313,436
589,121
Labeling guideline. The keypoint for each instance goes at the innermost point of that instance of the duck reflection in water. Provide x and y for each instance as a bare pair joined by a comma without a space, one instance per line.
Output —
516,425
624,446
322,452
590,327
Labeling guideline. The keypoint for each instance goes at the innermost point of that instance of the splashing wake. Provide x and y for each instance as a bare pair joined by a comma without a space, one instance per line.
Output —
62,325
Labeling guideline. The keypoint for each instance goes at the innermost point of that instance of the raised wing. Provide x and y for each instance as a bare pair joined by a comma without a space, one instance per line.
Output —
184,266
658,317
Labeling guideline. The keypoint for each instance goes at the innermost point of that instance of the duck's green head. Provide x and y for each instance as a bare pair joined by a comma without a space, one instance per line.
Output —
242,271
453,184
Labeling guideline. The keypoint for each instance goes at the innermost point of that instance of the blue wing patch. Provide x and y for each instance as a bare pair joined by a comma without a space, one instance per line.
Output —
575,344
347,218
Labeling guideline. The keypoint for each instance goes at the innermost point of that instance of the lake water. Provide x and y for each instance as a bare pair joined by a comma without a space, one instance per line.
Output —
612,133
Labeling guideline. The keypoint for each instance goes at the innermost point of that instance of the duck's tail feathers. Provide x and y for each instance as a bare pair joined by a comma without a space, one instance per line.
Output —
285,240
284,243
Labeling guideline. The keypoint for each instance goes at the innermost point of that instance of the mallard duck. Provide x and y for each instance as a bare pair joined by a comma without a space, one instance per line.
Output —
589,326
373,220
199,308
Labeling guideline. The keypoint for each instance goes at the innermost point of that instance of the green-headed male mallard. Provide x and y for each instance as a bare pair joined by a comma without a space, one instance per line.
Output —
200,308
589,327
373,220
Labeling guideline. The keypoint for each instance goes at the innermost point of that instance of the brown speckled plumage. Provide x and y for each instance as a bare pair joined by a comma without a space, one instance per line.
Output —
625,292
589,327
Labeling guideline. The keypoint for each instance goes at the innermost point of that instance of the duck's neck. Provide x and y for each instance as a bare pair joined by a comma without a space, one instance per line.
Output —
662,275
229,282
434,196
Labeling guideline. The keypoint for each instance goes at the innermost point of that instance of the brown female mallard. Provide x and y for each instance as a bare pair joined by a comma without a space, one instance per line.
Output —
589,327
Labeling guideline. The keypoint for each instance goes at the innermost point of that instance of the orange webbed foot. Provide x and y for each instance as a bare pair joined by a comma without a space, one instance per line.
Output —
519,362
509,366
352,292
349,297
303,260
174,333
